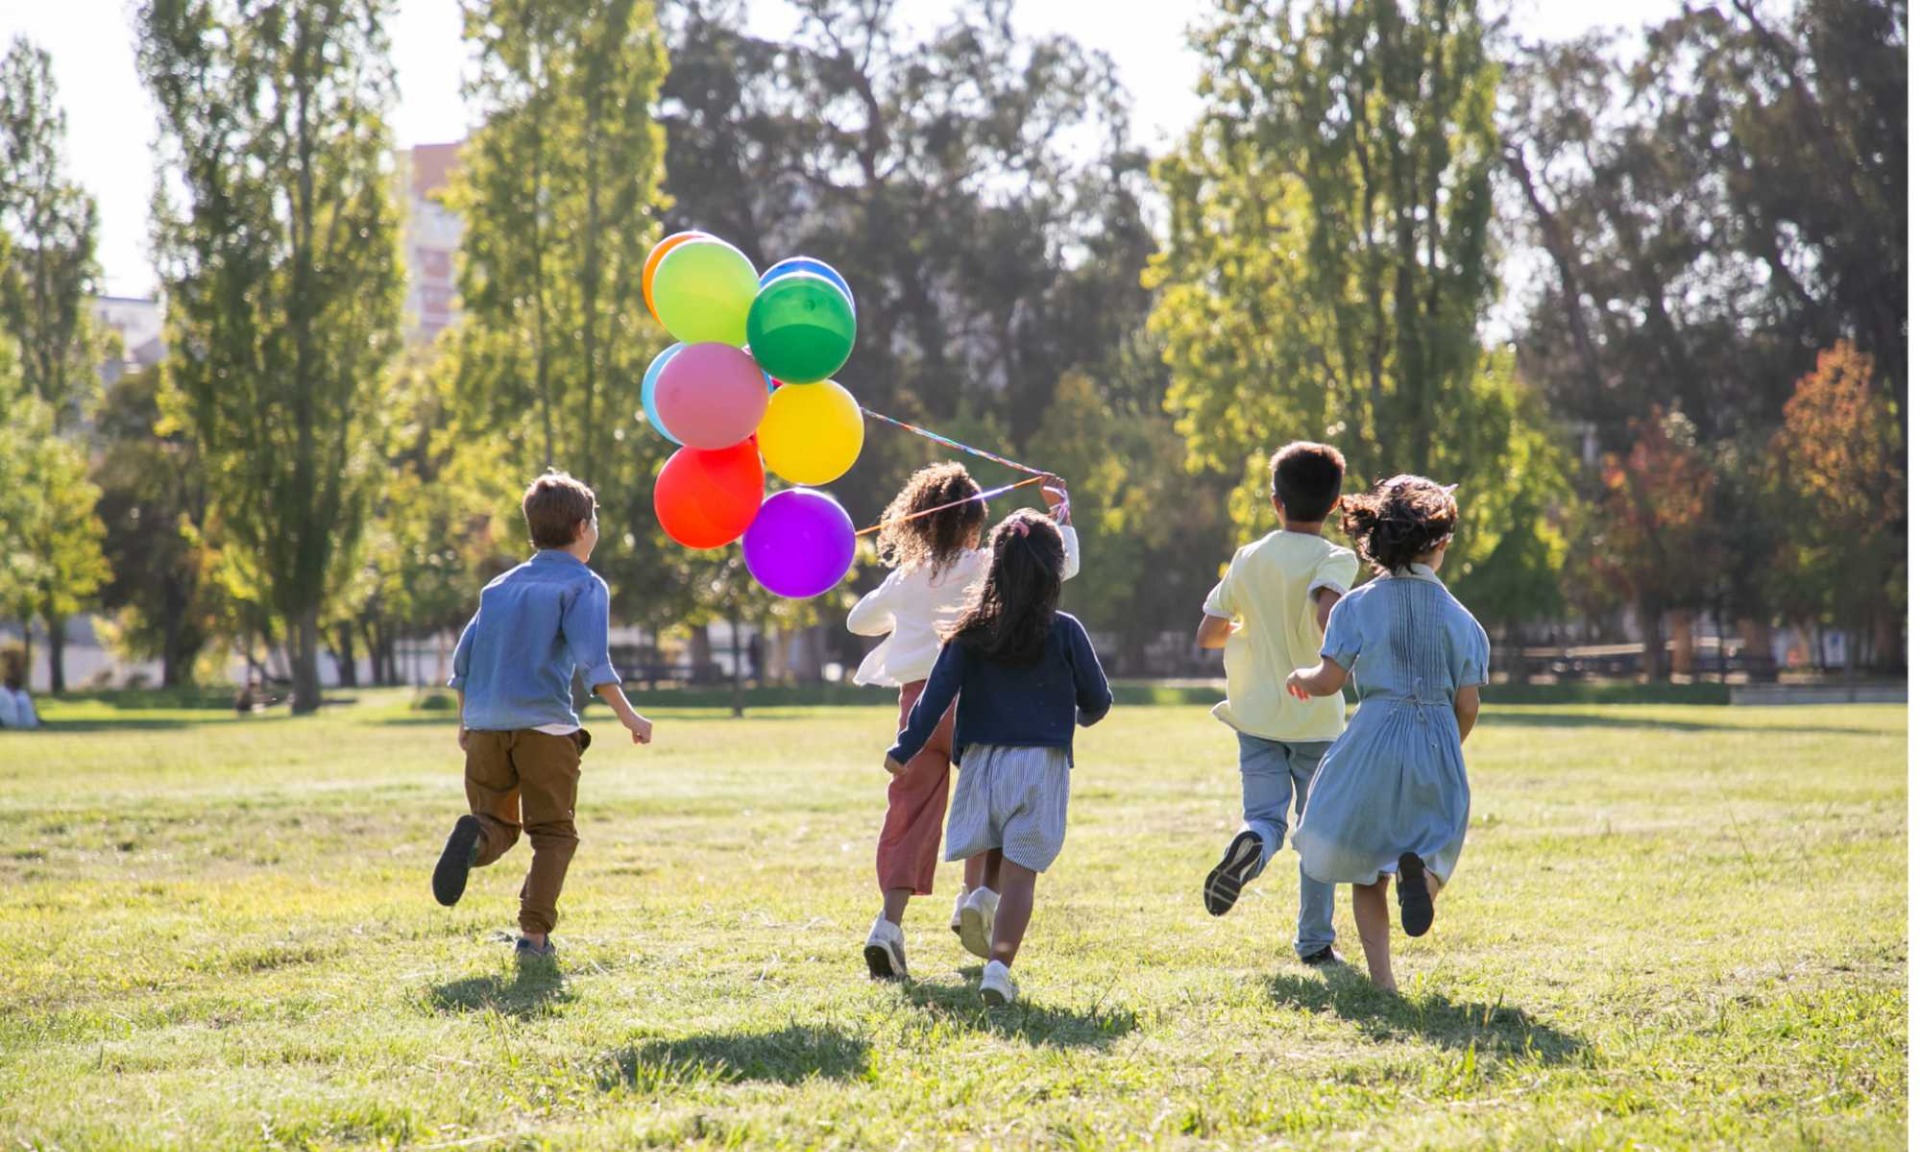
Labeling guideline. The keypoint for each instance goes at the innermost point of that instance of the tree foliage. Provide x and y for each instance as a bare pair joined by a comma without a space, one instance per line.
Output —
277,248
53,224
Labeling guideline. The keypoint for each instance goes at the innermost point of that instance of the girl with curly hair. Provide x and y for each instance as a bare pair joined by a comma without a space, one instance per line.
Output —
932,543
1390,798
1025,674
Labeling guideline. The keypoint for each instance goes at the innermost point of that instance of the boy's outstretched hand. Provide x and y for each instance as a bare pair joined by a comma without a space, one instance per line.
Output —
640,726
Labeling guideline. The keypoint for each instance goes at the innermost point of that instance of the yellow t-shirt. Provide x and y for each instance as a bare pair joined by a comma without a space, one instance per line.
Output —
1268,594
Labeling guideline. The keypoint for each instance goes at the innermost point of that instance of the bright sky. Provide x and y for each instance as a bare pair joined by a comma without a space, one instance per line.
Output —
110,121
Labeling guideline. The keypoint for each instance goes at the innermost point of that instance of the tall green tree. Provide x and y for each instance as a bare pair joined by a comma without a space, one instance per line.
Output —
560,193
153,502
277,246
53,224
1329,263
50,558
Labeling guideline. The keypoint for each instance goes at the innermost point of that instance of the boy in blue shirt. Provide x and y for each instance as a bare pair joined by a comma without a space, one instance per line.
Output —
513,670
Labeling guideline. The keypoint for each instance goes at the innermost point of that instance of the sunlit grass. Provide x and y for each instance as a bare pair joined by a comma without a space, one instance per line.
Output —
1672,928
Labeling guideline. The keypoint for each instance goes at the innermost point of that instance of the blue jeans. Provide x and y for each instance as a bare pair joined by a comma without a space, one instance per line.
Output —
1274,776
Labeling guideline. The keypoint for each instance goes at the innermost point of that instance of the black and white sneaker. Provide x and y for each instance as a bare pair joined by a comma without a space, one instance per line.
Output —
1416,903
456,860
1325,957
886,950
1236,867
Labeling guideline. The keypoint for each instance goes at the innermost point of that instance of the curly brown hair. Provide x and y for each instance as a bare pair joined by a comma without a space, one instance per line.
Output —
938,539
1397,521
1009,614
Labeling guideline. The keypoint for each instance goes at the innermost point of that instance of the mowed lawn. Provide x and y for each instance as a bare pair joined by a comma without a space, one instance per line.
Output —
1672,928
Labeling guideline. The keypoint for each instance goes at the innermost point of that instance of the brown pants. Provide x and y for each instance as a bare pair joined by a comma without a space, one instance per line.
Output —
532,777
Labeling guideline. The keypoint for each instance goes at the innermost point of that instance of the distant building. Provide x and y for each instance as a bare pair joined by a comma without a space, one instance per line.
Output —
139,325
432,239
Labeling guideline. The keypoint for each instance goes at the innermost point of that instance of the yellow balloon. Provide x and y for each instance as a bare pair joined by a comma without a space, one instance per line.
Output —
812,433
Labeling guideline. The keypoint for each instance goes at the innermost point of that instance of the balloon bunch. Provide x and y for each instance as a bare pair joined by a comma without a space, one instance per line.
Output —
747,390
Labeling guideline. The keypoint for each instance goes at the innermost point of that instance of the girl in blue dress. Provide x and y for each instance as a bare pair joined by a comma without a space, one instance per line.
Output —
1390,798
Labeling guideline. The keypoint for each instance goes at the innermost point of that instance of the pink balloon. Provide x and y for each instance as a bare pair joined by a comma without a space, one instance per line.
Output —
711,396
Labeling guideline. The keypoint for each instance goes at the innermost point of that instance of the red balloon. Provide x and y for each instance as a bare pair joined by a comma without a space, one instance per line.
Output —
710,395
707,499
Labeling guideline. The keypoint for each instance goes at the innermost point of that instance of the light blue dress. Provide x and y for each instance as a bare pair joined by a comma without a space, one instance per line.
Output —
1395,780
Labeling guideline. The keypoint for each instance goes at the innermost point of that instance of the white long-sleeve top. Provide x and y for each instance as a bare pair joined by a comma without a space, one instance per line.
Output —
910,608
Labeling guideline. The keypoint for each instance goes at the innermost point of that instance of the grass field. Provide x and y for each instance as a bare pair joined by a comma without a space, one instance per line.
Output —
1672,928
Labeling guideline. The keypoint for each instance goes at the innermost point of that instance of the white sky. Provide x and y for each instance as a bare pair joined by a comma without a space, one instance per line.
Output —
110,121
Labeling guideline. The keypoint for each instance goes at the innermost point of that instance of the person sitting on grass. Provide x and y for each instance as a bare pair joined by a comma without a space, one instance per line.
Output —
16,707
1390,798
1024,673
513,673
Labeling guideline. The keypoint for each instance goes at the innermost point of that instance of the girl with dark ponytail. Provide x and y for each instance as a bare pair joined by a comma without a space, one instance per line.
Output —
1390,797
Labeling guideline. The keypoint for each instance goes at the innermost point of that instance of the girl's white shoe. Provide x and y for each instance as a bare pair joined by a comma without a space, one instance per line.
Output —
886,950
976,921
996,984
959,902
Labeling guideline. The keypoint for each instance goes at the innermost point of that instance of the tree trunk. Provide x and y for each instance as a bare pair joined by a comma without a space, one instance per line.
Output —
700,653
739,687
56,654
303,657
1680,627
1651,647
343,660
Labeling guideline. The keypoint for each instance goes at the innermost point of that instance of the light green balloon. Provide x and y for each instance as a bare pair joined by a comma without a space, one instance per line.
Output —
703,290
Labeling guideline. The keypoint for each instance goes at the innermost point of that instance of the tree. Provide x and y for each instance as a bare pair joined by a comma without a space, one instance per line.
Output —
277,248
52,536
153,502
44,286
560,192
1838,470
1654,534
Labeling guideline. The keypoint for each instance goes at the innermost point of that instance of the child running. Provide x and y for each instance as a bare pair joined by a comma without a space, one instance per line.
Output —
1025,674
513,670
1391,798
932,543
1269,612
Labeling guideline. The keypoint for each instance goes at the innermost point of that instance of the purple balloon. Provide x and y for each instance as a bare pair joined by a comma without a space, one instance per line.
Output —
800,545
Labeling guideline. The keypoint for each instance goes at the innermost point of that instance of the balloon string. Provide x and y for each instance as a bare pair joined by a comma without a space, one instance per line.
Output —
952,443
983,497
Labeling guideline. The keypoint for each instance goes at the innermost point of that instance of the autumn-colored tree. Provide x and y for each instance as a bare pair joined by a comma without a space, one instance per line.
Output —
1838,471
1652,534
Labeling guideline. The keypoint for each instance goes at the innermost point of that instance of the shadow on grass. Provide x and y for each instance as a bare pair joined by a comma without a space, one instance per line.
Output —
1494,1030
1506,719
111,724
788,1056
1096,1026
534,990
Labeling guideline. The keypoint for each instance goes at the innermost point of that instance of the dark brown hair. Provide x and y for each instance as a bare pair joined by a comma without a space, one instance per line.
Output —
1010,613
1307,479
1399,520
938,539
555,505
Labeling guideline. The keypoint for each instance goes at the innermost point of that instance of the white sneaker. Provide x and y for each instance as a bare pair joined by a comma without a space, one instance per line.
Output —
959,902
996,984
887,950
976,921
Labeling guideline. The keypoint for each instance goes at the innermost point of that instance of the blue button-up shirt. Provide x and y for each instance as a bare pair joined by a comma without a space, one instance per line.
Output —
535,625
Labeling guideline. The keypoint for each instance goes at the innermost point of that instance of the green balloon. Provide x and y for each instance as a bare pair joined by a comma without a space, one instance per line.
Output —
800,327
702,290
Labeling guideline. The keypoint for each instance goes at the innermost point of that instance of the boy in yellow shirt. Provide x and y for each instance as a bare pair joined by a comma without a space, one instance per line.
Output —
1270,613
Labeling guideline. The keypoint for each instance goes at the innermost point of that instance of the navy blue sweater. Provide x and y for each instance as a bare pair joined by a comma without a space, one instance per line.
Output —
1031,707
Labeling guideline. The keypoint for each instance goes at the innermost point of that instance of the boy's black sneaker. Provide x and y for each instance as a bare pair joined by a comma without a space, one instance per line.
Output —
1323,958
1236,865
456,860
1416,903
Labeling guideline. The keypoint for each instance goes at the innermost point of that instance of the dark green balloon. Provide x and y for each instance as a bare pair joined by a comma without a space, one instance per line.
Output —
800,328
